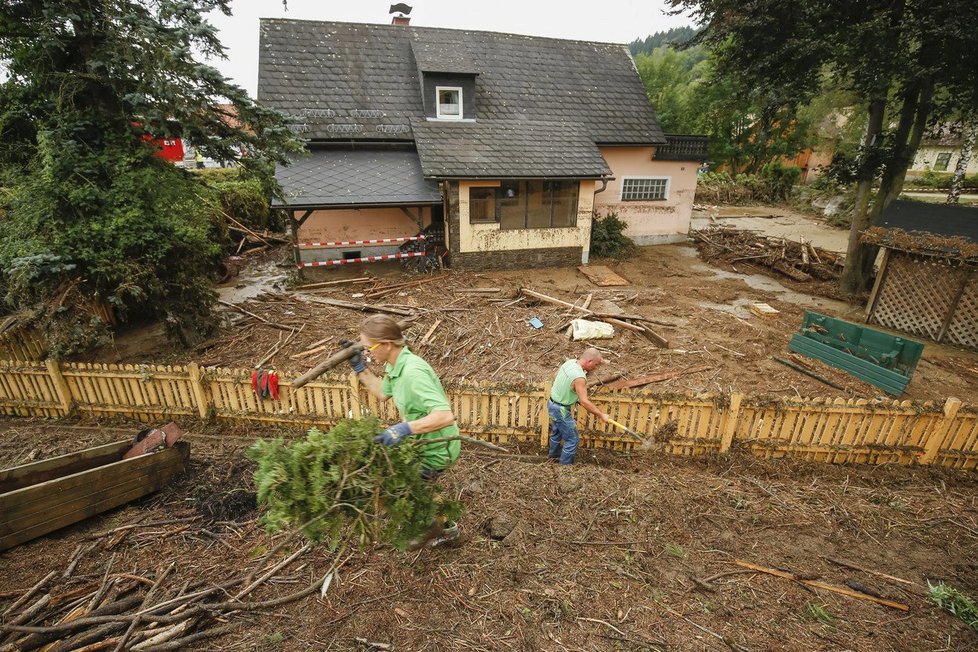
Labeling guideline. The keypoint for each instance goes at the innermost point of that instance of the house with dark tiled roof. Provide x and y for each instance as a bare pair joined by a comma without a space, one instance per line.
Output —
498,147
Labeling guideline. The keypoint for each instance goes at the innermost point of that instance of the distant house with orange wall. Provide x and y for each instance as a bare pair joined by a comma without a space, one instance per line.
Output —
502,146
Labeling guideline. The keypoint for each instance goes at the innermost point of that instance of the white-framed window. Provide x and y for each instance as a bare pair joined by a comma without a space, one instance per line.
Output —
449,102
644,188
943,160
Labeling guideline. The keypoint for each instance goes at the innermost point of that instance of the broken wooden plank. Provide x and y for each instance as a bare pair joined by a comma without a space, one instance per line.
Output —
764,310
822,585
431,330
476,290
602,276
656,377
26,475
604,381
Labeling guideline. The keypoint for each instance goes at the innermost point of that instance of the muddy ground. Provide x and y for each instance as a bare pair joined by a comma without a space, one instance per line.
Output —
488,337
616,553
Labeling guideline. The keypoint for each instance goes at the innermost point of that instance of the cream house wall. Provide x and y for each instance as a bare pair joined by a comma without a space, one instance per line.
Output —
927,156
649,222
481,237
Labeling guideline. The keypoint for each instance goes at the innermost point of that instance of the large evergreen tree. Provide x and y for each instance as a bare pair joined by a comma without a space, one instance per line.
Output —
89,214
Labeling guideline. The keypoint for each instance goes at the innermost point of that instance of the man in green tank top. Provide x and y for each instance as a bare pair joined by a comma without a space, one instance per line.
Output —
570,388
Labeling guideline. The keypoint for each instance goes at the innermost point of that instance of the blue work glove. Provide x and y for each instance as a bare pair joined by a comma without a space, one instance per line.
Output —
394,435
357,361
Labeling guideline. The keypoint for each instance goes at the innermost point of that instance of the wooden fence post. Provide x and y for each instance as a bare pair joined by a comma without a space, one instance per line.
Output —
730,421
545,418
64,394
197,387
933,444
355,395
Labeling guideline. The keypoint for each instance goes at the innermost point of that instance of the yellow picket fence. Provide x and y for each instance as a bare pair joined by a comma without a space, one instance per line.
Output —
825,430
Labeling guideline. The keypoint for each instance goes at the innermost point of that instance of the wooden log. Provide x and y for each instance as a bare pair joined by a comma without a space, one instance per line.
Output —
822,585
359,307
340,356
326,284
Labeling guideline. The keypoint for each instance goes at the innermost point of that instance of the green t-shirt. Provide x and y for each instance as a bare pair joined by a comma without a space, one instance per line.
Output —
562,390
417,392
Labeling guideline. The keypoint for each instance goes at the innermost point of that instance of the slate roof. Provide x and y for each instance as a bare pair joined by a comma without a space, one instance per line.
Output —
358,81
506,149
337,177
447,55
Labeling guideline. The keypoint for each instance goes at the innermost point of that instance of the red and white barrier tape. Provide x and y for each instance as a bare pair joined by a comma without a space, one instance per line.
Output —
364,259
341,243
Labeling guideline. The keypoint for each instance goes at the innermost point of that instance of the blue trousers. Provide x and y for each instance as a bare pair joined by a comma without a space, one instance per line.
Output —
563,427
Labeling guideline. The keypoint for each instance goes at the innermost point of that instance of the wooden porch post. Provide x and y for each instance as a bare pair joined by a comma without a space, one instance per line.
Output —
878,285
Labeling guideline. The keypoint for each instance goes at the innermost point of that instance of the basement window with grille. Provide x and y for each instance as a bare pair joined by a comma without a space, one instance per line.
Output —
645,189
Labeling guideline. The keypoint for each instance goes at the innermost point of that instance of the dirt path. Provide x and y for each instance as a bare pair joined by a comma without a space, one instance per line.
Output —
607,555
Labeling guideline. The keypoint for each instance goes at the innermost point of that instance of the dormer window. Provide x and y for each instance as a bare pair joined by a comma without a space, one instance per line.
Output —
449,102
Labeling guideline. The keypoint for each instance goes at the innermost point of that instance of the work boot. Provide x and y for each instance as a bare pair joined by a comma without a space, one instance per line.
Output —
436,535
450,533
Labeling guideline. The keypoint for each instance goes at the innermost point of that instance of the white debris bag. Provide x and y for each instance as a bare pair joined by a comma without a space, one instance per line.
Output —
582,329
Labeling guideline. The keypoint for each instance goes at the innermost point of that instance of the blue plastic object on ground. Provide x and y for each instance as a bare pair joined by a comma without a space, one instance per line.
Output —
536,323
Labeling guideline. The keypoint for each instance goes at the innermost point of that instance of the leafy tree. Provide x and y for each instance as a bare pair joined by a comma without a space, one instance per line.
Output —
93,216
669,37
900,58
747,129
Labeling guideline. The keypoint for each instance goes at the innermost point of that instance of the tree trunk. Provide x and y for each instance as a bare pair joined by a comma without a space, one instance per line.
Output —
913,120
966,148
864,187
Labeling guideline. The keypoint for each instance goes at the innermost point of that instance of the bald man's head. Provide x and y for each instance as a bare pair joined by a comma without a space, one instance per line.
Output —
590,359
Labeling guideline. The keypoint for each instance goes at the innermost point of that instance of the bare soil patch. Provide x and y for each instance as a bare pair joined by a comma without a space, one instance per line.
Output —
612,554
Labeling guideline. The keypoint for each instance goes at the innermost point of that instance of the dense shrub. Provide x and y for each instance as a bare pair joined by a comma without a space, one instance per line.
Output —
608,239
242,197
773,184
940,180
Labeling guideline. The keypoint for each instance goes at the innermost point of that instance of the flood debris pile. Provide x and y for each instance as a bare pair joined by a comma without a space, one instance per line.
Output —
798,260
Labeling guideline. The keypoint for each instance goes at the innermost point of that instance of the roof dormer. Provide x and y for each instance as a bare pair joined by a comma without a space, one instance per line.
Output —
447,75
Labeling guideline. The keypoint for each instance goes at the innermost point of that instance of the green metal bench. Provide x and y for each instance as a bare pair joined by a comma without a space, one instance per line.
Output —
884,360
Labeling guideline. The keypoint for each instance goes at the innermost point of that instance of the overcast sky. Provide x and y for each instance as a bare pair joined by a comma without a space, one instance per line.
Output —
614,21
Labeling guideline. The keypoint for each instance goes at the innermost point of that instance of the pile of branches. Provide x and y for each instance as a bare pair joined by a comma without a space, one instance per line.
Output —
798,260
149,612
339,483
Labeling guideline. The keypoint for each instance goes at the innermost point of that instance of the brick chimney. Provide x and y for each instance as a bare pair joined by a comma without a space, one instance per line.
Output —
402,14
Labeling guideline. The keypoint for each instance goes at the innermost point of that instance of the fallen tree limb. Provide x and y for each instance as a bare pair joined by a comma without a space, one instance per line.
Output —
822,585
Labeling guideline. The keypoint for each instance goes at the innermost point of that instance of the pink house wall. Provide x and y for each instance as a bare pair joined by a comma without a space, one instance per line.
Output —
649,222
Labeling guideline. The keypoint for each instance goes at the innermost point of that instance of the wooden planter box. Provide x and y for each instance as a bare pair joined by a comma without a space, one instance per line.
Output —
39,498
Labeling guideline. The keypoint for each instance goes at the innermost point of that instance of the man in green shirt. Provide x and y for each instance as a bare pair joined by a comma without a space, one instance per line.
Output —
420,400
569,388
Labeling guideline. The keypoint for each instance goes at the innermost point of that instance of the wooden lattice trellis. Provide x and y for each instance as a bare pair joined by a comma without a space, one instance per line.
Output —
929,297
963,327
